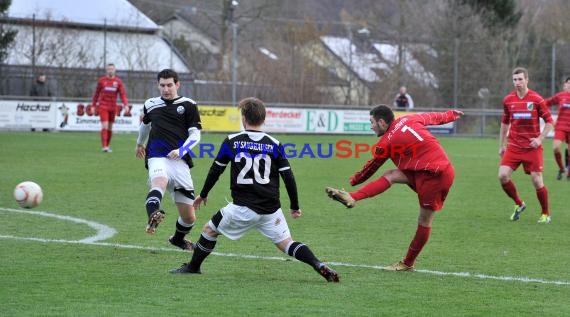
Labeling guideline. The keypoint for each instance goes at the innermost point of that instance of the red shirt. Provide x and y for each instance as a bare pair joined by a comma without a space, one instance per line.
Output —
523,114
410,145
106,93
562,99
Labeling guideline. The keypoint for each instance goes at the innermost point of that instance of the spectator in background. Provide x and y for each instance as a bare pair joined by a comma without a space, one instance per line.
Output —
403,100
105,99
40,88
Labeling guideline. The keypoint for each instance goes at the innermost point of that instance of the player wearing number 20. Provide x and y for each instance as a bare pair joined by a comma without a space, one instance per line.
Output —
421,163
254,183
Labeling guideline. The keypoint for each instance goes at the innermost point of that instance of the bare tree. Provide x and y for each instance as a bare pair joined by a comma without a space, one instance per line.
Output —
56,47
7,35
281,69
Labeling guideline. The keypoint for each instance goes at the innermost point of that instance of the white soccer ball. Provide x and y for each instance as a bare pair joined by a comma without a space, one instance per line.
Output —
28,194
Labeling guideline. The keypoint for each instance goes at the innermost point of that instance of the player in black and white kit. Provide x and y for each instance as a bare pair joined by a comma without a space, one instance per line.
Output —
256,163
169,129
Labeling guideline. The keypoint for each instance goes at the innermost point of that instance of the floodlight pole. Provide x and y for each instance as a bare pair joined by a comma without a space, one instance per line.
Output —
233,6
234,63
553,71
105,42
34,44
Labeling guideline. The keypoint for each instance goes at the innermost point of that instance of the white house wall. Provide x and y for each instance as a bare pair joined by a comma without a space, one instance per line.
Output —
99,12
77,48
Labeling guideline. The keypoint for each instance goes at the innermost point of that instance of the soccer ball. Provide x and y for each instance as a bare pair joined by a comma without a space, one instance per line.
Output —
28,194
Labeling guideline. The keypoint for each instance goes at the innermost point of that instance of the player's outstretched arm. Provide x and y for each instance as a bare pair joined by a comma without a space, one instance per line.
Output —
439,118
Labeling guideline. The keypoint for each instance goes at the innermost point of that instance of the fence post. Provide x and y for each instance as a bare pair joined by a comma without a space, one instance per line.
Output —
455,78
553,71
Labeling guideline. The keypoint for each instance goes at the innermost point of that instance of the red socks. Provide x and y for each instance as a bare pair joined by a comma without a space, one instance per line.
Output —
511,190
372,189
418,243
542,195
558,157
109,135
104,137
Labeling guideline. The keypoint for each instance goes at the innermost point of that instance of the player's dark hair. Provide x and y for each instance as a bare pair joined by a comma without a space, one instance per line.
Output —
167,73
521,70
382,112
253,110
567,79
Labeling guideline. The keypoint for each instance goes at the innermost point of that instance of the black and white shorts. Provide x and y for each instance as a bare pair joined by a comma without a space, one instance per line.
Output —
237,220
180,183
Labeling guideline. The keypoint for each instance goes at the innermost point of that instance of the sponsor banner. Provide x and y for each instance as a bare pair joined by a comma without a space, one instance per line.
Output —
297,120
442,129
78,116
27,114
220,119
356,121
285,120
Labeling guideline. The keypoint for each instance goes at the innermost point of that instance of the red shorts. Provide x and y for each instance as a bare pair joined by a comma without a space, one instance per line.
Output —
562,136
532,160
432,188
107,115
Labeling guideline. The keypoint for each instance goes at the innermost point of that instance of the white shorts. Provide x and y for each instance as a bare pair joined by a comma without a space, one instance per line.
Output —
177,173
237,220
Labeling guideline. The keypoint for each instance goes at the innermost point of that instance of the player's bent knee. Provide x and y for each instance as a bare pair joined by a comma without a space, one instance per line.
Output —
209,230
188,217
504,177
282,245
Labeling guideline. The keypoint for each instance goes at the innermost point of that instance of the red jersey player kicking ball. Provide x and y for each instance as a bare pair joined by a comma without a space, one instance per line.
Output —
421,163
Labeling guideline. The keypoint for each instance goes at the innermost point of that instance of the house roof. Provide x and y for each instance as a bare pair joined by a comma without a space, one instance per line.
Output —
130,40
117,13
363,64
389,52
382,57
84,49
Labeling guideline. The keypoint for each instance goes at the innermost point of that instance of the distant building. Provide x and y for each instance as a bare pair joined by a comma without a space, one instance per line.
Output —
87,34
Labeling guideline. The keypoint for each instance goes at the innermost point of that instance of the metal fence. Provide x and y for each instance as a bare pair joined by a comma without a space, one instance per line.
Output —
462,80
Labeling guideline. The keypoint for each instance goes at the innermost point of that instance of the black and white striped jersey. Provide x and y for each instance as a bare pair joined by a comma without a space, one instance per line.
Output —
256,162
170,121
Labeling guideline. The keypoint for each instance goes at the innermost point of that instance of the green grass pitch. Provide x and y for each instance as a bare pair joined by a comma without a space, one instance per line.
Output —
477,262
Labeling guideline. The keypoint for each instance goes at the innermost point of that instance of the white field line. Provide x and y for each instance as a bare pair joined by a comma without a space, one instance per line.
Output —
105,232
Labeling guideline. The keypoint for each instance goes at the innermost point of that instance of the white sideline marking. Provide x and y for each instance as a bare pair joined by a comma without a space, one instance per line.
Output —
105,232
